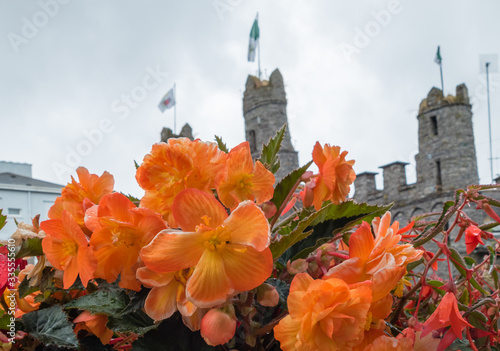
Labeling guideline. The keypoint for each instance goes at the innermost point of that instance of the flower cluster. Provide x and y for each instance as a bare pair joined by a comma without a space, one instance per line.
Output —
218,245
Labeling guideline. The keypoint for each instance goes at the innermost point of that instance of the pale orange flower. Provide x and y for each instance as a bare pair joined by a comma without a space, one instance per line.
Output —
335,174
67,249
386,343
242,180
123,230
95,323
381,259
228,253
73,196
168,293
324,314
174,166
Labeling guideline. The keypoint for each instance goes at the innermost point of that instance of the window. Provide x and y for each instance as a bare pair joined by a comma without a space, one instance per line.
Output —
252,139
439,180
434,125
14,211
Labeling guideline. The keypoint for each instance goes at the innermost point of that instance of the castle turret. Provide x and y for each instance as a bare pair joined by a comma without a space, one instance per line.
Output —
394,178
447,155
264,110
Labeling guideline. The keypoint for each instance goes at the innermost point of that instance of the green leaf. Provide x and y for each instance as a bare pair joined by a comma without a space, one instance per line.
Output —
3,219
459,264
109,302
137,300
136,164
51,327
269,155
132,198
25,289
412,265
137,322
489,226
30,247
493,258
221,144
469,261
284,187
324,224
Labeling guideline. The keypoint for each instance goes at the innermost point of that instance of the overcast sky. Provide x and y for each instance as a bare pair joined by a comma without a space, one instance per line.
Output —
354,74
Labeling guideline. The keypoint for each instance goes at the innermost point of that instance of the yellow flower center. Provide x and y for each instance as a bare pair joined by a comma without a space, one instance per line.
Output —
245,184
183,275
216,239
123,236
69,247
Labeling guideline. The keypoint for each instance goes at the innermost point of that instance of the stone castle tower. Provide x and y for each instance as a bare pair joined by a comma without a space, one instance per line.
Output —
446,160
264,110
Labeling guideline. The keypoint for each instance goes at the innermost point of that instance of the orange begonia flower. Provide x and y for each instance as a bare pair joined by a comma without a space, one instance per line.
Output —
335,175
67,249
90,186
230,253
381,259
324,314
446,314
472,238
96,323
241,180
168,293
174,166
122,232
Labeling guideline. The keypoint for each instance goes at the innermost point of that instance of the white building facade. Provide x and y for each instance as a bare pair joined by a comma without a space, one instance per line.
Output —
22,197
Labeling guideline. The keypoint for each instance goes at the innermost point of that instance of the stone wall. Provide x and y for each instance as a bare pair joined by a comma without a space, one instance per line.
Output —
264,110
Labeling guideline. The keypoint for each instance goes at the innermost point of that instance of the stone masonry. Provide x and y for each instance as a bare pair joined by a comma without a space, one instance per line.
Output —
446,161
264,110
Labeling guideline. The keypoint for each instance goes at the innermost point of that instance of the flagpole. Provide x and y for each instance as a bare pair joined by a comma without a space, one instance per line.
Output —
258,45
441,70
489,117
175,109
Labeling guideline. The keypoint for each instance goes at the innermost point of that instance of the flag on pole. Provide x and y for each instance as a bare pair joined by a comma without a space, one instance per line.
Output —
438,58
254,38
167,101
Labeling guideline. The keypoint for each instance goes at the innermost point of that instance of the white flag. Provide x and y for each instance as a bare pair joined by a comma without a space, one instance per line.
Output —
167,101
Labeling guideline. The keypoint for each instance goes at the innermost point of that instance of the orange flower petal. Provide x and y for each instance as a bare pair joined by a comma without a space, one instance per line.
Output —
263,183
117,206
152,278
191,205
161,302
87,264
209,285
239,159
287,332
361,242
318,156
247,269
248,226
172,251
70,273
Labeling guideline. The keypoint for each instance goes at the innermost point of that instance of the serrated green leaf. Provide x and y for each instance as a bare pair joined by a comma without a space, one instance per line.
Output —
328,221
284,187
51,327
137,300
102,301
221,144
459,264
489,226
30,247
3,219
137,322
269,155
469,261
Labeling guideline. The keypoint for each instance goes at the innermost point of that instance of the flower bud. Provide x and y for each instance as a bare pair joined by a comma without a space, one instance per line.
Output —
218,325
267,295
269,209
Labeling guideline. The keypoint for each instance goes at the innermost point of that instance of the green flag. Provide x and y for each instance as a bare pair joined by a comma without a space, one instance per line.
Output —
438,58
254,39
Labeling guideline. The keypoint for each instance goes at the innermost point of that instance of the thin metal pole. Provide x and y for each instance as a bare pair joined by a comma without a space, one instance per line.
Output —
489,118
441,70
258,44
175,110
